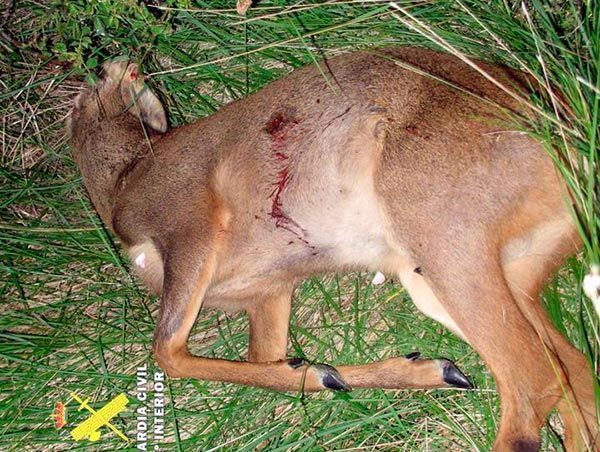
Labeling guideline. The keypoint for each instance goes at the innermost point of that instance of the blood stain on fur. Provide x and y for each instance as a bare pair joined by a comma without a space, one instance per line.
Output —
279,127
277,213
282,220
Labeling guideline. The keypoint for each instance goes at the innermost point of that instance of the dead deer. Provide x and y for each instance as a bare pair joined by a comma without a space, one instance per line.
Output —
400,160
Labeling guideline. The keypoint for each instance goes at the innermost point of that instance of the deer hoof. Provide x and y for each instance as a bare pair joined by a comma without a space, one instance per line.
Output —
454,377
331,378
295,363
327,375
413,356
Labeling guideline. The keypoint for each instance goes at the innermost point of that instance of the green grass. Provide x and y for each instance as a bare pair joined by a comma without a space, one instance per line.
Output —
74,319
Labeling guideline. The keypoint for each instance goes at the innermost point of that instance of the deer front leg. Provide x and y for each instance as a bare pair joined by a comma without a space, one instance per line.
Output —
186,279
188,273
408,371
269,323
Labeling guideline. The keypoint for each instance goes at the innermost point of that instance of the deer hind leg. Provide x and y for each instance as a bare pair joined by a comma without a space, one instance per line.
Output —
526,274
482,306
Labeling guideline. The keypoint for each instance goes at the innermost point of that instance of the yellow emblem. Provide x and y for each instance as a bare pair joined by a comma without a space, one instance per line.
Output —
91,427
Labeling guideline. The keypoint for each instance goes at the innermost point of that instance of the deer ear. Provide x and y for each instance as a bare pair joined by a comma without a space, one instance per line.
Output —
142,102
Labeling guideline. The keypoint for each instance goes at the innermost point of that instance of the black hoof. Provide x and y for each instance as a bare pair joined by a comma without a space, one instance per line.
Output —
454,377
331,378
295,363
413,356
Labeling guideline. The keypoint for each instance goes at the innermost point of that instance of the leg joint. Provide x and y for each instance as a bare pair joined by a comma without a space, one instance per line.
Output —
170,359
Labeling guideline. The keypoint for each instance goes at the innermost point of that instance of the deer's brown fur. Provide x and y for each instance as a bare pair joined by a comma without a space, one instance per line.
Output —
379,167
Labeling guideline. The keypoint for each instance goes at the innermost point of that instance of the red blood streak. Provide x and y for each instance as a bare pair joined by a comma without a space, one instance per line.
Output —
277,213
278,127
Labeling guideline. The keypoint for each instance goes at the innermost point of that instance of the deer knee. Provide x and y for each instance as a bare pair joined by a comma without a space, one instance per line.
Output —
170,360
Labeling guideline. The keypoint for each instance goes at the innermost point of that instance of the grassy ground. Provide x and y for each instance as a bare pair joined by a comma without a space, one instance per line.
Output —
74,319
